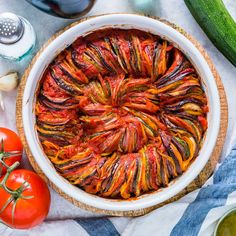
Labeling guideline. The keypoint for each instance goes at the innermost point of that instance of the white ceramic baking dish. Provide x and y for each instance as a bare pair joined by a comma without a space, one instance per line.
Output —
126,21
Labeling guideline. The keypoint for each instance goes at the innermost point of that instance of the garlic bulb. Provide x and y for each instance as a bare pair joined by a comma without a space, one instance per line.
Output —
9,82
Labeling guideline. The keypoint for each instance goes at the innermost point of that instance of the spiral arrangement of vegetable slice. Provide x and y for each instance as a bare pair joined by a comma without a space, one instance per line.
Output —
121,113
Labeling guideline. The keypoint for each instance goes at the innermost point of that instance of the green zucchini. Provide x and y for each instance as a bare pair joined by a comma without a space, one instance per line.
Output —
217,23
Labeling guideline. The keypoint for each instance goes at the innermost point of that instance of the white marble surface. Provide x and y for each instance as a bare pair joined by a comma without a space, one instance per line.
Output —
46,25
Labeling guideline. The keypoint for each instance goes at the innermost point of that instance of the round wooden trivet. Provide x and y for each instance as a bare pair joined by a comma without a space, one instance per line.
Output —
198,182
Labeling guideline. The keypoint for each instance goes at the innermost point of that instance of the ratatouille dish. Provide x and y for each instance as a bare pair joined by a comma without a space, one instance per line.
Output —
121,113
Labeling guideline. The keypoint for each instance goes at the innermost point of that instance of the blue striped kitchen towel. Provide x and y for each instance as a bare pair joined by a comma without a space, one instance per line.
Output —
195,214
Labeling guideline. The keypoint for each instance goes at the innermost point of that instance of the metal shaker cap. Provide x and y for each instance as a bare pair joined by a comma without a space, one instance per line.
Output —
11,28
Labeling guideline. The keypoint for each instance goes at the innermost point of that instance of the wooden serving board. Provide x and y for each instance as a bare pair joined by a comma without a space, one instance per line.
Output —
198,182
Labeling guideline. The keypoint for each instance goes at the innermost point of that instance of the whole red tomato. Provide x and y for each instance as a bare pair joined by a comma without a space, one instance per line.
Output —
9,143
30,206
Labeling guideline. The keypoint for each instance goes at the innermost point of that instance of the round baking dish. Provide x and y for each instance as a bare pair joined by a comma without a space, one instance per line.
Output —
124,21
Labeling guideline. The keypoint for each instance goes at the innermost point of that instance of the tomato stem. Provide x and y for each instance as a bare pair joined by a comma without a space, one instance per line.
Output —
9,200
2,147
4,155
9,170
8,154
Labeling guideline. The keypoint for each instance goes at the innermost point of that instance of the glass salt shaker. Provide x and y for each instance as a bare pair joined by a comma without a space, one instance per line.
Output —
17,36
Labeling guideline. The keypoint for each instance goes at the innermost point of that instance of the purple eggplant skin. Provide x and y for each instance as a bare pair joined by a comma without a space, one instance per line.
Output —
43,95
74,165
177,164
133,57
183,115
156,55
115,193
179,104
61,141
80,162
75,62
181,112
132,187
87,178
55,106
103,61
170,124
164,182
167,99
55,124
58,107
180,148
43,101
167,122
135,186
189,90
166,139
93,174
158,179
67,73
108,181
171,153
63,85
179,77
54,134
169,76
50,127
148,172
170,169
116,51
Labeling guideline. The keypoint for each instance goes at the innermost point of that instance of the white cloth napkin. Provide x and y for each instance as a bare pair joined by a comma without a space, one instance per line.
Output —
195,214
